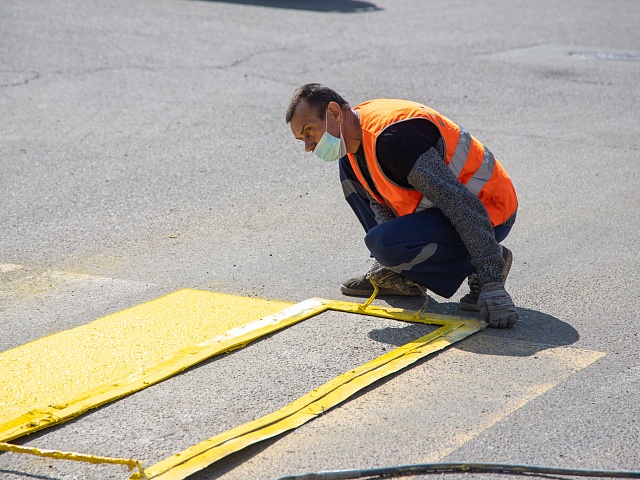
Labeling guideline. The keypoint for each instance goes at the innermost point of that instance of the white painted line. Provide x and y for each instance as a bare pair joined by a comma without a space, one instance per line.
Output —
9,267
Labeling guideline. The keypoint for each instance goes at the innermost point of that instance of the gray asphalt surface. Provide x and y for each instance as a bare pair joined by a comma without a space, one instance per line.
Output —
144,149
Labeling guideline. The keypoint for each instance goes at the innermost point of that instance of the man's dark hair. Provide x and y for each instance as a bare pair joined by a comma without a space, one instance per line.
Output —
317,96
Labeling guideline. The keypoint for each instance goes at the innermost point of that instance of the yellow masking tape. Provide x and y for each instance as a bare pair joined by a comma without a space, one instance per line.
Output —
78,457
318,401
61,376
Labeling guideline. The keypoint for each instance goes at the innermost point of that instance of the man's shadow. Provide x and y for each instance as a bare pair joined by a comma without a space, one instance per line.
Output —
534,332
340,6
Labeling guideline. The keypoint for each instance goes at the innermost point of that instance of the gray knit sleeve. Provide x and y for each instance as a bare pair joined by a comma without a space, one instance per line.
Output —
431,177
381,212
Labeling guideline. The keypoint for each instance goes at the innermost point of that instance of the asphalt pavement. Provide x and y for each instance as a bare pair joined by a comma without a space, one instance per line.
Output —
144,149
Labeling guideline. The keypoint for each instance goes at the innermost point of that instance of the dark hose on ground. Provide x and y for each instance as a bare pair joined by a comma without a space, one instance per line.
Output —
403,470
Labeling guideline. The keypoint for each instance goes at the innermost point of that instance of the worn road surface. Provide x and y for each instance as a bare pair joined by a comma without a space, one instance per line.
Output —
143,149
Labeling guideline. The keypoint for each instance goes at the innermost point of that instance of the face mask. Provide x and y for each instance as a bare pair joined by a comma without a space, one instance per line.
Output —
330,148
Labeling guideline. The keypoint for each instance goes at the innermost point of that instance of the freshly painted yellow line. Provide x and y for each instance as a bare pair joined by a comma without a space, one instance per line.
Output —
61,376
323,398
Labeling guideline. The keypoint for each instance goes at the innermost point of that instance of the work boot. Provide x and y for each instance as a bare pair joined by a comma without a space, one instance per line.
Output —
362,287
470,300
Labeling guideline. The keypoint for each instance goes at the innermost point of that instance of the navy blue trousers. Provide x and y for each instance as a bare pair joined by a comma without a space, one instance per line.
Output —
423,246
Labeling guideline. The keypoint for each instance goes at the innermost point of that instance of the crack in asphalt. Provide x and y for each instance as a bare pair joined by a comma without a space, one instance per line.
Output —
32,75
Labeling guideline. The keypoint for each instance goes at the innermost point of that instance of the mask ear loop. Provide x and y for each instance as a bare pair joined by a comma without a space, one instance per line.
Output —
326,126
326,123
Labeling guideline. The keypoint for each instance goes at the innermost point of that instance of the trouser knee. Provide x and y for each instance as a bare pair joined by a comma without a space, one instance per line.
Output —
380,245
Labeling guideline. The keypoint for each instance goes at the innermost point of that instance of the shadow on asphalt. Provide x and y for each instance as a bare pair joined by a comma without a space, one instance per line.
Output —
342,6
534,332
26,475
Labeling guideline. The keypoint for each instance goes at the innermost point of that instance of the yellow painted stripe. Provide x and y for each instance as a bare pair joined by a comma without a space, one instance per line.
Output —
63,375
323,398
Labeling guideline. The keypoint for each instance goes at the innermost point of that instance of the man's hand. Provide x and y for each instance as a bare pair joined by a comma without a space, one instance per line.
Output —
496,306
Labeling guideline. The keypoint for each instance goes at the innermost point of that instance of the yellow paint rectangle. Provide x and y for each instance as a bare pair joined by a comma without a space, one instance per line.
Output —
74,370
130,350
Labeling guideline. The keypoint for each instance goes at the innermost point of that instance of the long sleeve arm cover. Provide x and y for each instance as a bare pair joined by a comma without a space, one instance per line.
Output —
431,177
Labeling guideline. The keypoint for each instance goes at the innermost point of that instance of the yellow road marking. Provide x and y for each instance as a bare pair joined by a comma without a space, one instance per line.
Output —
147,343
51,375
184,305
78,457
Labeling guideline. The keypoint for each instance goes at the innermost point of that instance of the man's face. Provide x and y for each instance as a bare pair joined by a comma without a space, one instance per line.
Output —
308,127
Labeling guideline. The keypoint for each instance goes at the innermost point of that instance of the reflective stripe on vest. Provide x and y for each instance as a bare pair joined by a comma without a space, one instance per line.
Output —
473,164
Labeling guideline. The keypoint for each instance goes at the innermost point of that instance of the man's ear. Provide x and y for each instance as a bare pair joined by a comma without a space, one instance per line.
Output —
335,111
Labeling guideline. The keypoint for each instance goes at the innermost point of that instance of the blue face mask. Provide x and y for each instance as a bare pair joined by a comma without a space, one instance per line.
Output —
330,148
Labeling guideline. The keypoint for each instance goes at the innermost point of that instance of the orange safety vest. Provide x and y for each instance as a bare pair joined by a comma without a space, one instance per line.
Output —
473,164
